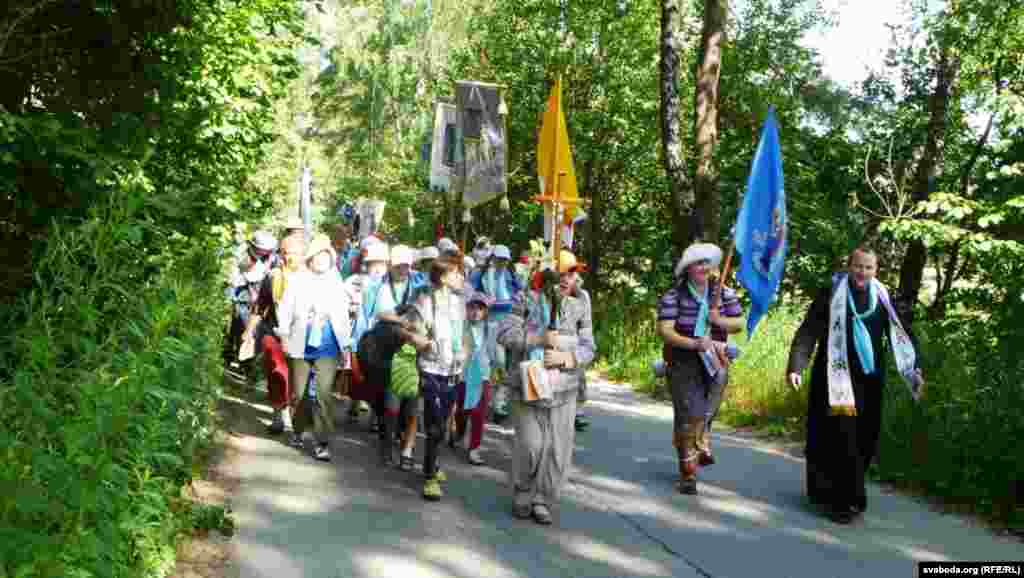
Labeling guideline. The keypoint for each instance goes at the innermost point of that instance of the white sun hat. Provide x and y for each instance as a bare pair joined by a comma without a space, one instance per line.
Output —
376,252
428,253
401,255
698,252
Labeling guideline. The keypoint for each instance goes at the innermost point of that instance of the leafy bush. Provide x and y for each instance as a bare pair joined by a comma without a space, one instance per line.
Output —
109,377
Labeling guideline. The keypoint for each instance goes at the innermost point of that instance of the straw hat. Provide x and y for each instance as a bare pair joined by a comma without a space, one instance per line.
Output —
569,264
319,244
264,241
698,252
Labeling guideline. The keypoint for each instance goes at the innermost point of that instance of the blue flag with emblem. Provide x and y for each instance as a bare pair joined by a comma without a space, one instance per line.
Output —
761,225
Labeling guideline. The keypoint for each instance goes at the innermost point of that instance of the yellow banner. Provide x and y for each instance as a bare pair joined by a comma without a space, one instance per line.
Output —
554,158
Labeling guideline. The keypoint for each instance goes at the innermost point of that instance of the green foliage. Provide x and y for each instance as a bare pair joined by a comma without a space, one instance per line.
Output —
107,395
128,138
206,517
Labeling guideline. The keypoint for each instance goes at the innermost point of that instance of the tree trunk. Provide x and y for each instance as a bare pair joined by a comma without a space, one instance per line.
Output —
708,204
912,270
682,198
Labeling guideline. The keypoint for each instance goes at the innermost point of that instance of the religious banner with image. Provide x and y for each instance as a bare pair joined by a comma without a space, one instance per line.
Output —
370,214
442,152
480,148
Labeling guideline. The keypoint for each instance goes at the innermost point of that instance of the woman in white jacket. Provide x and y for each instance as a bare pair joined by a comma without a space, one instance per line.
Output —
313,323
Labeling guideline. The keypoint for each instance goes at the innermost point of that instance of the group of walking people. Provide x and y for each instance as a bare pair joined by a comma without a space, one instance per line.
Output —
430,339
442,341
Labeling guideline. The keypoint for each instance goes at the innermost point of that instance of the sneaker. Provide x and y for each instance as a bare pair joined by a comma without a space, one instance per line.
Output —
501,413
581,422
295,440
541,514
688,486
432,489
474,457
322,453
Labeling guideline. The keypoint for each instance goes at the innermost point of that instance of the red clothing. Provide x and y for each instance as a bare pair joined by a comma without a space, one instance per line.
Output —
276,368
477,416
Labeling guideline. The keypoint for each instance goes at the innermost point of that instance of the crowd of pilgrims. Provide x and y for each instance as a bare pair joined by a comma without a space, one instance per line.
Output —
436,341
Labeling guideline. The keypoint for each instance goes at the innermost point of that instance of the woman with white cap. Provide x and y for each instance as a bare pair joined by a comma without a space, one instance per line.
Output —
313,325
544,420
694,319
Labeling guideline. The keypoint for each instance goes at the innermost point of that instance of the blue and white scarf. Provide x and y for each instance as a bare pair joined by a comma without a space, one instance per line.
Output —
840,384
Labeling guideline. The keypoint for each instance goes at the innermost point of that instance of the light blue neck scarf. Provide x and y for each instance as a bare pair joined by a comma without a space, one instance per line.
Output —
861,336
538,320
495,283
700,327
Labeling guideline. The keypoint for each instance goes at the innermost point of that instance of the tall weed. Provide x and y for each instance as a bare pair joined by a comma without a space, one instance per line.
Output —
107,384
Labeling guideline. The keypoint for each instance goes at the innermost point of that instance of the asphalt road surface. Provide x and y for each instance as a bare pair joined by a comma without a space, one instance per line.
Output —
619,515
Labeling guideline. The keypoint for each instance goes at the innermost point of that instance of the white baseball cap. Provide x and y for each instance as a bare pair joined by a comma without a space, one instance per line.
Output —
376,252
428,253
401,255
501,252
446,245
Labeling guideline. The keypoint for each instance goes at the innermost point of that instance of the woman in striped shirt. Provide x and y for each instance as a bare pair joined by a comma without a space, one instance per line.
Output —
694,319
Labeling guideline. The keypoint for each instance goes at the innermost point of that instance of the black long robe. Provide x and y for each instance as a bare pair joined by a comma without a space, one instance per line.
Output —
839,449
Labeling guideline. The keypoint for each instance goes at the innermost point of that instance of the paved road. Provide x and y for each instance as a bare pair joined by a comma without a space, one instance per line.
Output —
619,516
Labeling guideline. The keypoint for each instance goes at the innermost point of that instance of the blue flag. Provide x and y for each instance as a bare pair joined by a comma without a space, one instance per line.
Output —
761,225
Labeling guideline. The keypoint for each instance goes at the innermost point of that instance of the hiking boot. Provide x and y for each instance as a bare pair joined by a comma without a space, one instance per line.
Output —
432,489
276,426
842,516
322,453
688,486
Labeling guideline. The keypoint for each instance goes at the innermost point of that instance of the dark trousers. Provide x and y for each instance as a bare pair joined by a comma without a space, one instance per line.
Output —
438,395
